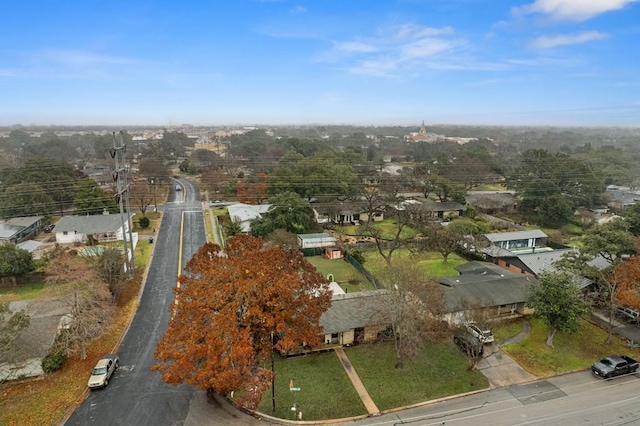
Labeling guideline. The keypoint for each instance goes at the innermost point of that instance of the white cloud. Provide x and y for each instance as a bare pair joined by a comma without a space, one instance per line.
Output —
397,49
356,46
79,58
571,10
550,41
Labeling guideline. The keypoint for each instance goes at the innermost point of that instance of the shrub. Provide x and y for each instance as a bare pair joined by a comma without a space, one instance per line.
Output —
54,360
143,222
57,355
357,255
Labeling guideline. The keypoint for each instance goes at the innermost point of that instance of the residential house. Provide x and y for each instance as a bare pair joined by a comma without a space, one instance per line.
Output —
245,213
355,317
442,210
517,242
533,264
492,202
19,229
346,213
102,228
621,197
488,288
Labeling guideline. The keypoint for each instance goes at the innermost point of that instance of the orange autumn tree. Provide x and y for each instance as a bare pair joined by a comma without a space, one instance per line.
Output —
627,277
233,310
252,189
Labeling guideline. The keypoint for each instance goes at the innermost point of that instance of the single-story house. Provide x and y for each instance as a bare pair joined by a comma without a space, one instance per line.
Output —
518,241
621,197
533,264
47,317
316,240
341,213
19,229
486,287
444,209
103,227
492,202
245,213
355,317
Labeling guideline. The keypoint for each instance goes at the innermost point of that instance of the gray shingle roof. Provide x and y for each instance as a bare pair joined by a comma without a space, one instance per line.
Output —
484,286
353,310
89,224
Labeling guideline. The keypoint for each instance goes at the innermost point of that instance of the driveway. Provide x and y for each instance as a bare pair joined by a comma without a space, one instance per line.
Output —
501,370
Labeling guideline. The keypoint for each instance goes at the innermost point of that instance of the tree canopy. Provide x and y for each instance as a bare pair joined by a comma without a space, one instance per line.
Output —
559,302
325,173
233,310
288,211
14,261
552,185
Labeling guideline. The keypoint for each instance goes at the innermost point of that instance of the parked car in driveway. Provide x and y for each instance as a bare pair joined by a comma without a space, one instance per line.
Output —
615,365
468,343
481,331
103,371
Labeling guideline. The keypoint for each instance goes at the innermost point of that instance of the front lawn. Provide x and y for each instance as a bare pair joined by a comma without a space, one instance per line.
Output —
439,370
431,264
571,352
343,273
325,389
327,393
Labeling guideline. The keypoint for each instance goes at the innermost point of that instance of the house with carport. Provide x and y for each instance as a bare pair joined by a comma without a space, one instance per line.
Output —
486,288
81,229
18,229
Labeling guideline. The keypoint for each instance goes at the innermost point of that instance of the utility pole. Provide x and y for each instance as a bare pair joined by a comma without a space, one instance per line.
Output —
122,187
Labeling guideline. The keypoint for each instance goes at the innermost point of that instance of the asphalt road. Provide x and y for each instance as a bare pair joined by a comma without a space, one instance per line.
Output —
572,399
136,395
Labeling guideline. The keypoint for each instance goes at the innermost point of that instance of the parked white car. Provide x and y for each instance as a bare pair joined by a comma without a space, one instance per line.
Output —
481,331
103,371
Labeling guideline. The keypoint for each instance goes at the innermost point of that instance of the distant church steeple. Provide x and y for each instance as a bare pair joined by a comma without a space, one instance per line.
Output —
423,130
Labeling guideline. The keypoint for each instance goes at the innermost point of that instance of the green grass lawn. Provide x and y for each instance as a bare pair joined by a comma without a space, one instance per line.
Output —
26,292
343,272
325,389
571,352
327,393
431,264
439,370
387,227
505,330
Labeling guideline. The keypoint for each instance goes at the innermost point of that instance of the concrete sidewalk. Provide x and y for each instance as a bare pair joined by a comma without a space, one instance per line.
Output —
357,383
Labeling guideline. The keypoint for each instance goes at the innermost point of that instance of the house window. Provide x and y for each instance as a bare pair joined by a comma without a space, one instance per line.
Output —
65,233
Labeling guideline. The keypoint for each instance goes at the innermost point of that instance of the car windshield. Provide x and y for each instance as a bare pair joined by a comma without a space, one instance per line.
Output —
606,361
99,370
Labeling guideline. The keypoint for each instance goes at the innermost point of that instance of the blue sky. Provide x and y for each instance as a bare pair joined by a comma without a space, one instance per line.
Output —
253,62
